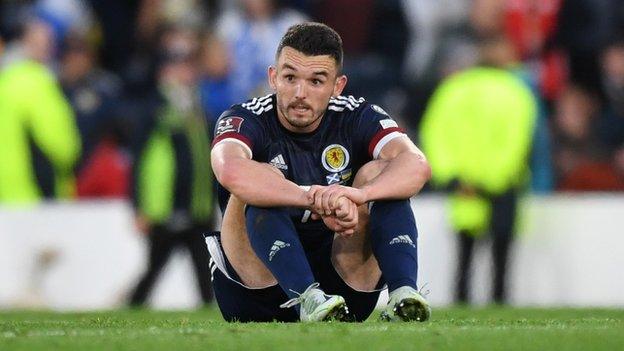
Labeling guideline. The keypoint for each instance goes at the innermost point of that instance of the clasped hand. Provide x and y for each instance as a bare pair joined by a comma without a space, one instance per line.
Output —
337,206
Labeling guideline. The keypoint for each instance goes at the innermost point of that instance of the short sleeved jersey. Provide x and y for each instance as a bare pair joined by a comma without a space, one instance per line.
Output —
351,133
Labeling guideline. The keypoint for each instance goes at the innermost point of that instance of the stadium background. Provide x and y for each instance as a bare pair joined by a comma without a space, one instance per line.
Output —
83,251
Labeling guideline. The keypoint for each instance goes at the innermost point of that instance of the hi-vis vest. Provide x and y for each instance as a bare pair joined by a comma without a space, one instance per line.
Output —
477,129
33,107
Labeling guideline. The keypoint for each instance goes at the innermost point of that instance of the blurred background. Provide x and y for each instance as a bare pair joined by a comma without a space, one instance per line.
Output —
107,108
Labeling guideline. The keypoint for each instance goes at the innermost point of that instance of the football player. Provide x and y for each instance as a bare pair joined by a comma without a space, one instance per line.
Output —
315,195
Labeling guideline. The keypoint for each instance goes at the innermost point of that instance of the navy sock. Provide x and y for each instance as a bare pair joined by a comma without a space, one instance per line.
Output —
393,237
274,239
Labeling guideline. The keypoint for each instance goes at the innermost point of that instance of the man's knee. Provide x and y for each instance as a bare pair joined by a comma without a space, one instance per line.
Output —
369,171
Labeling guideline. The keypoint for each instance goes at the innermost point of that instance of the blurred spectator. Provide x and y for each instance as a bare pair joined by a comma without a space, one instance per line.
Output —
188,12
440,43
216,87
103,169
611,125
582,161
128,30
486,17
531,25
541,162
173,179
65,16
39,138
352,19
375,37
13,14
477,134
585,27
395,46
118,22
251,35
432,23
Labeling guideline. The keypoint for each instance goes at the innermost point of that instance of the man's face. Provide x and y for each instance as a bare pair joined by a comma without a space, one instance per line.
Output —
303,85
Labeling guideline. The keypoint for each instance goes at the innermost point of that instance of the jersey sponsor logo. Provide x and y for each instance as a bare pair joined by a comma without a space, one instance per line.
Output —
379,110
388,123
279,162
335,158
345,175
277,245
402,239
338,178
229,124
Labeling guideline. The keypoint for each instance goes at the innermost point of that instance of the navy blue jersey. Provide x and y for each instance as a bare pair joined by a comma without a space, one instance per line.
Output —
351,133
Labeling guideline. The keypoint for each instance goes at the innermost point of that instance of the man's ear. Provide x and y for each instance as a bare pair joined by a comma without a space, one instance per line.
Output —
341,82
272,75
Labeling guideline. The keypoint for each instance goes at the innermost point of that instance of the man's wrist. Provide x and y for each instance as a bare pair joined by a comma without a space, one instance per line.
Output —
367,191
304,202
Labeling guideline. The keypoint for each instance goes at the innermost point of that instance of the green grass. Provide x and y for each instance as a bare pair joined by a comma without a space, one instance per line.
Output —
456,328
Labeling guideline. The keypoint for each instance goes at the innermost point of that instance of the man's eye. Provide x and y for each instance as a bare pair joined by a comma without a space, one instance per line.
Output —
289,78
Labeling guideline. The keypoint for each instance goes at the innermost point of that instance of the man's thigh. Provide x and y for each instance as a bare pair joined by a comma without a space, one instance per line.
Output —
353,256
236,246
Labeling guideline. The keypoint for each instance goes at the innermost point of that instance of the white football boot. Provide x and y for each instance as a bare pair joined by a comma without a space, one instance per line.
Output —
316,306
406,304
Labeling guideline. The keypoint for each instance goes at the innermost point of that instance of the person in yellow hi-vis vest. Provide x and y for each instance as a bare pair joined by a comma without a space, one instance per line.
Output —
39,140
173,183
477,132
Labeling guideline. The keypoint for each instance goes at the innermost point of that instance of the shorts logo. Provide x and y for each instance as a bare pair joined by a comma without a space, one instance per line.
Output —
229,124
277,245
335,158
402,239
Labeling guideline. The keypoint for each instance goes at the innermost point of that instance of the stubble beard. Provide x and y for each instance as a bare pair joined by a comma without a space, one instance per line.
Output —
298,123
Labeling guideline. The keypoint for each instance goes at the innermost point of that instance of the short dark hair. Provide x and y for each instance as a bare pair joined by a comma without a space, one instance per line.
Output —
313,39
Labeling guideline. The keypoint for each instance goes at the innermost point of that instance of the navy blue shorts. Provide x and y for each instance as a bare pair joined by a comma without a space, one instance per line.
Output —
242,304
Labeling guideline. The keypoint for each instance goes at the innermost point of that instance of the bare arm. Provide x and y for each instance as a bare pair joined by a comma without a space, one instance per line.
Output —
405,174
254,183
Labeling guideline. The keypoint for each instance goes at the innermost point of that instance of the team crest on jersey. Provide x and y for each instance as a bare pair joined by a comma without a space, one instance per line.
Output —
335,158
229,124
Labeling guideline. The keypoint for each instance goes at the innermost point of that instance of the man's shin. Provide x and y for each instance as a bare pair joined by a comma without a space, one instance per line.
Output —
394,241
275,241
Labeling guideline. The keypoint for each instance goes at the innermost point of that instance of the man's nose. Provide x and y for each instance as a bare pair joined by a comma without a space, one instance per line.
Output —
300,91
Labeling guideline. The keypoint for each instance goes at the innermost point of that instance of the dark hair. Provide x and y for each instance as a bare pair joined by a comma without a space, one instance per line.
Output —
313,39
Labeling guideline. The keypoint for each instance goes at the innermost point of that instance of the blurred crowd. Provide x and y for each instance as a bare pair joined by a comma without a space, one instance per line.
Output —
101,83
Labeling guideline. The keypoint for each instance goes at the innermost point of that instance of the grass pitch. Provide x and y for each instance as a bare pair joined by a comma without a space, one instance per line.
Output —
455,328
